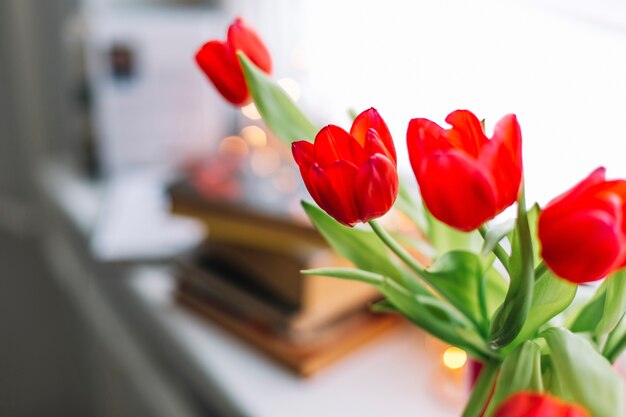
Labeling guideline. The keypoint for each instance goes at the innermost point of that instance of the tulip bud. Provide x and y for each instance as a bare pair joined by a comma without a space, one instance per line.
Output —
351,176
528,404
466,179
583,231
219,61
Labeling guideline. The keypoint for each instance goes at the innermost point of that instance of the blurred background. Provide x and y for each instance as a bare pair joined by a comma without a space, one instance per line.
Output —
109,134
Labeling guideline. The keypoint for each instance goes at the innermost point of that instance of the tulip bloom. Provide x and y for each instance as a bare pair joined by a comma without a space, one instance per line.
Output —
219,61
351,176
583,231
527,404
466,179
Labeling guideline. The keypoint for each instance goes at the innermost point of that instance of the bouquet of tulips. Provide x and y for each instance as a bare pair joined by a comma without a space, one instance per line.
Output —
509,301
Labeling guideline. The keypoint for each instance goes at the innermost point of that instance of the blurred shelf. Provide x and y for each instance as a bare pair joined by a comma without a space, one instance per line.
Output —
187,366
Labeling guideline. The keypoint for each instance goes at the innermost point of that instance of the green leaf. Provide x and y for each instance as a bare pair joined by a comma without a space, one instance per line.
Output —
590,315
510,317
437,318
411,207
481,391
551,295
361,247
279,112
459,277
616,342
582,375
614,304
428,312
384,306
495,235
533,222
495,289
444,238
347,273
520,371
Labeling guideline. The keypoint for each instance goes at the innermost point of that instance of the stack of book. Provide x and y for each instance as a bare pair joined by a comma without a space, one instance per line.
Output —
246,277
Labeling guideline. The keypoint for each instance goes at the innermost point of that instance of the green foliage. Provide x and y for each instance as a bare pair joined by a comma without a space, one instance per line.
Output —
614,303
581,375
551,295
348,273
482,390
495,289
494,235
437,318
590,314
411,207
361,247
616,342
279,112
444,238
510,317
520,371
426,311
460,278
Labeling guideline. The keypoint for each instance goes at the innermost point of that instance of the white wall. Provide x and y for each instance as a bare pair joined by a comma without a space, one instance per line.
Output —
560,66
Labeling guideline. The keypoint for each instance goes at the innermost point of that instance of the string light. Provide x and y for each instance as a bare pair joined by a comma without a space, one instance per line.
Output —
454,358
254,135
291,87
251,112
233,145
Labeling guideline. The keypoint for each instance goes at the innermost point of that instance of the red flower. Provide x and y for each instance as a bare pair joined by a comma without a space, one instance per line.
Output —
583,231
466,179
219,61
528,404
352,176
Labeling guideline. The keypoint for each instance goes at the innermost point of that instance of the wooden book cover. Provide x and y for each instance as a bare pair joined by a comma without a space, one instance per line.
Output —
325,299
305,357
237,223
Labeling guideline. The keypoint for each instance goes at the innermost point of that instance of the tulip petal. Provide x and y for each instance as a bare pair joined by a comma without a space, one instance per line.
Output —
224,71
303,152
529,404
242,37
376,187
371,119
334,188
374,145
333,144
570,197
502,157
618,188
423,137
466,133
584,196
455,189
582,247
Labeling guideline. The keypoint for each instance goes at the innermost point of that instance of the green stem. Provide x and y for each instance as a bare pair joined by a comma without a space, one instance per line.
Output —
498,250
398,250
541,269
481,394
416,267
616,342
482,302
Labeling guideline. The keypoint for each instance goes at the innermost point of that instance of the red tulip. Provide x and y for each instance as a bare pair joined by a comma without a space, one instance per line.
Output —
583,231
466,179
528,404
219,61
352,176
